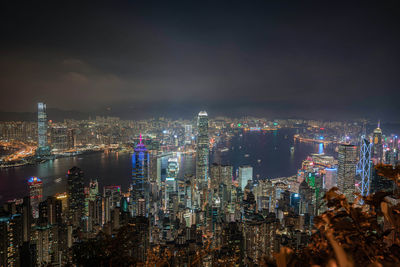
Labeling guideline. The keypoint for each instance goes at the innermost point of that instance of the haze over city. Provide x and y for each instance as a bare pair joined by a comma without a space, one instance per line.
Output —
311,60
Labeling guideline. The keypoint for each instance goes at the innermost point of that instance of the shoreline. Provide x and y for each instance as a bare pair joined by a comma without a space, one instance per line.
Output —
33,161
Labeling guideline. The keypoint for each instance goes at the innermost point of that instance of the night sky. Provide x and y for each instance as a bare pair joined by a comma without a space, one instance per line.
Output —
322,59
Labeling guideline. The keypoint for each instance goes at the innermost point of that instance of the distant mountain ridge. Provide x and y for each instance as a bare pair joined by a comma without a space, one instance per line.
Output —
52,114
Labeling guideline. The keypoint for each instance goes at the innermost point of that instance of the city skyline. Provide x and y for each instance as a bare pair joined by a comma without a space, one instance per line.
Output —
186,186
209,133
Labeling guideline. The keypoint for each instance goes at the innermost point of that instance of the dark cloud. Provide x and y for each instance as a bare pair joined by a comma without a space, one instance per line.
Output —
307,59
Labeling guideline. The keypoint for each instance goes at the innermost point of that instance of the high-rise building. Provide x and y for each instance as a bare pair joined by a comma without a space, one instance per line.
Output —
364,167
347,161
221,173
155,169
330,178
171,181
172,168
76,195
59,137
306,193
50,211
36,194
27,218
11,239
43,146
71,138
114,193
203,144
264,193
95,212
91,193
93,189
188,134
245,175
377,144
140,180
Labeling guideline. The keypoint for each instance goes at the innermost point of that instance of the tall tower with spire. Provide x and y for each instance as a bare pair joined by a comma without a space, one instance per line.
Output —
202,158
140,180
377,144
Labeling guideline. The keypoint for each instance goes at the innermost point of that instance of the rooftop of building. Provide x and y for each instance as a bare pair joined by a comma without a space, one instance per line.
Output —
203,113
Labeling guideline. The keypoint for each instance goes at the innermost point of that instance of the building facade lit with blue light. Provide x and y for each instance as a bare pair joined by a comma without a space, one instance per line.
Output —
43,146
140,179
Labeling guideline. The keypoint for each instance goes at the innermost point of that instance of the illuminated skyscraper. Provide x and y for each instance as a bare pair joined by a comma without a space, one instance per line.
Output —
43,147
170,181
172,168
245,175
50,211
36,194
10,239
364,167
76,195
71,138
114,193
93,189
140,180
221,174
202,148
155,169
91,194
59,137
347,170
188,134
330,178
377,144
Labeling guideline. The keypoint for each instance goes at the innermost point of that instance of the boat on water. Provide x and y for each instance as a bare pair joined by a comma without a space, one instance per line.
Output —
292,149
259,160
225,149
58,180
246,155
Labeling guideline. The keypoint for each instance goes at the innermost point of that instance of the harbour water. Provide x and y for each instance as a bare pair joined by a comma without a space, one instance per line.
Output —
269,153
272,154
